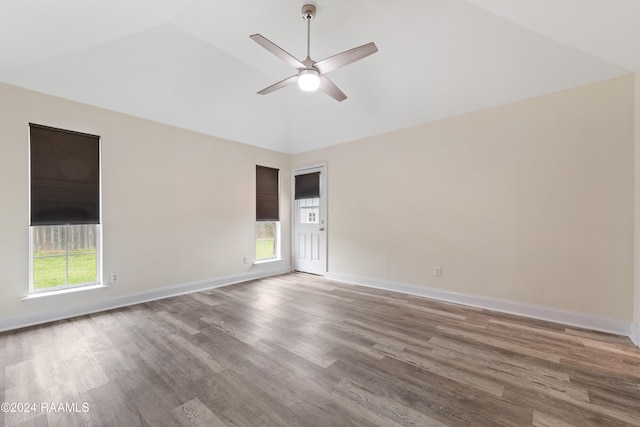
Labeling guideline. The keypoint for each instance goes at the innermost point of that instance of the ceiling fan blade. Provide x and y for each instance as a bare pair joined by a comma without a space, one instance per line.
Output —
328,87
345,58
277,51
279,85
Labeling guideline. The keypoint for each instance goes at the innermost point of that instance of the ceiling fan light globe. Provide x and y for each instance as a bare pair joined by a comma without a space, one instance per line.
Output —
308,80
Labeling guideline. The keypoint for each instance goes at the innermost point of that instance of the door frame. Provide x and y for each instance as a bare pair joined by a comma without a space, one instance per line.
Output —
322,167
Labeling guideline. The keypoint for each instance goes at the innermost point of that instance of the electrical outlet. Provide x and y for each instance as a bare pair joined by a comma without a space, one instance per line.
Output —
246,260
114,277
437,271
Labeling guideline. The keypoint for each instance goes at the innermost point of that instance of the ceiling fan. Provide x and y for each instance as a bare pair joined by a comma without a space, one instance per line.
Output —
311,74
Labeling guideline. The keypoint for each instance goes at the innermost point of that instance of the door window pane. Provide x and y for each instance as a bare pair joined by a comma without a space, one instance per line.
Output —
309,211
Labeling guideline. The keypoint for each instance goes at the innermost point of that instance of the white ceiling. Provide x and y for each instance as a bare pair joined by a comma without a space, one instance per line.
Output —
191,64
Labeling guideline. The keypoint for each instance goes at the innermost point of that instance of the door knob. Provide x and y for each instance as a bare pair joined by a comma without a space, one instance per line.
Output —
322,229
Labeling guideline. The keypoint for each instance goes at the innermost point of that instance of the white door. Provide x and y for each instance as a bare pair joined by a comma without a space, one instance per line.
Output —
309,220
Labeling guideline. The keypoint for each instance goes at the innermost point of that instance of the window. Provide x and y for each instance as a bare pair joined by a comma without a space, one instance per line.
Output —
307,196
64,256
266,240
267,214
65,209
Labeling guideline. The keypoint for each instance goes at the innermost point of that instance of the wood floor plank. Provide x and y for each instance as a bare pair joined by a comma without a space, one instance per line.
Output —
499,342
151,398
297,349
468,376
584,414
418,395
195,413
508,370
540,419
454,401
111,405
389,408
22,386
39,421
199,354
177,323
205,299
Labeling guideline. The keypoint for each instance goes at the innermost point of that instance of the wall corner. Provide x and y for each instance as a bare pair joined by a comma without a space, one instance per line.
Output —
635,332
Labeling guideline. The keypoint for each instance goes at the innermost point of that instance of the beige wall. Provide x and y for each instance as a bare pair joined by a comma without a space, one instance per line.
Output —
178,207
531,202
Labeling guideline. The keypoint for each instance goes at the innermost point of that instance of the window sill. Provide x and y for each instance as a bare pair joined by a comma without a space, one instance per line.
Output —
52,295
267,261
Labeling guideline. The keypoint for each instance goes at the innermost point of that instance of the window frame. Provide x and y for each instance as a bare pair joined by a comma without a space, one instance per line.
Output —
267,211
59,290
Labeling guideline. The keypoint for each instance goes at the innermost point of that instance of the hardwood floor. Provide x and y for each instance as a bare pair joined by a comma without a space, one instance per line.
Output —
300,350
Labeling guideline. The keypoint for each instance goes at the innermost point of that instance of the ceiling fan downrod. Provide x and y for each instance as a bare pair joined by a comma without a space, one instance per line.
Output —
308,13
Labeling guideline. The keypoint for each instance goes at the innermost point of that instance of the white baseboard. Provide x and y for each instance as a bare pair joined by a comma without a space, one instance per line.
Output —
635,334
564,317
59,313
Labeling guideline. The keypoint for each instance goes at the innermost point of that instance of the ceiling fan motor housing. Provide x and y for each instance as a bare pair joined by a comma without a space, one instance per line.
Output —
308,12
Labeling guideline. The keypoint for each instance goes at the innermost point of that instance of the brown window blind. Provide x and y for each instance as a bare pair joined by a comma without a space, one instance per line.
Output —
307,186
65,177
267,203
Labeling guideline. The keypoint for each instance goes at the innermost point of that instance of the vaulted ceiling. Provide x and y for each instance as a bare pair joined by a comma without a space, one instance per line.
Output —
191,64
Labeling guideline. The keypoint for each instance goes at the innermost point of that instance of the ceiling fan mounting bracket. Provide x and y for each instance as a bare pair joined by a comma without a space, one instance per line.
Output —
308,12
